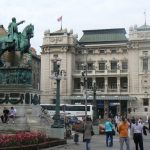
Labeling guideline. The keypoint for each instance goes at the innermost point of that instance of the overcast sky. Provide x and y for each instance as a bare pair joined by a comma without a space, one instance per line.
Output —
77,15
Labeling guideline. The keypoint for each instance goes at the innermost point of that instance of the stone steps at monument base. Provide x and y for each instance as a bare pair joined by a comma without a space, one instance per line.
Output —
14,127
50,132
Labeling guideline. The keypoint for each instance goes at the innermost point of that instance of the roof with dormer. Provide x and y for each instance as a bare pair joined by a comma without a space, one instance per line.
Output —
103,36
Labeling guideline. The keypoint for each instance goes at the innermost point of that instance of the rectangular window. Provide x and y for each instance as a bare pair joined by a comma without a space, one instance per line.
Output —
124,65
77,83
102,51
54,66
102,66
124,82
113,65
145,109
90,52
113,51
100,82
90,66
89,83
145,102
145,64
79,66
112,82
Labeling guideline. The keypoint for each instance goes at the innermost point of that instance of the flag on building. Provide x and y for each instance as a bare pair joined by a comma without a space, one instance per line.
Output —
59,19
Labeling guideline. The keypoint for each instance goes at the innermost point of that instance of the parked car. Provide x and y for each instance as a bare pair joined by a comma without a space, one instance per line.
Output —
70,120
73,120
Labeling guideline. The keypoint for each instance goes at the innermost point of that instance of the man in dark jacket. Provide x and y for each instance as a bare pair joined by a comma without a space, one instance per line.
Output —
4,117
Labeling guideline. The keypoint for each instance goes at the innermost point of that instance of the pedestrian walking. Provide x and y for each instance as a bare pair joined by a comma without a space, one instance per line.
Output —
108,132
88,128
123,133
137,130
4,117
149,124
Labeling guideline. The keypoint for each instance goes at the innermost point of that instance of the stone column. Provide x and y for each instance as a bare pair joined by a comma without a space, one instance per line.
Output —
118,85
106,84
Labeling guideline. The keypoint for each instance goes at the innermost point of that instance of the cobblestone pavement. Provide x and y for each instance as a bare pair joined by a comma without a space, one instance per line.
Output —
98,143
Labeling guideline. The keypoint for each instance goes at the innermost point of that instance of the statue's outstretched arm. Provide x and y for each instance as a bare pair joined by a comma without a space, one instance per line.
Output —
20,22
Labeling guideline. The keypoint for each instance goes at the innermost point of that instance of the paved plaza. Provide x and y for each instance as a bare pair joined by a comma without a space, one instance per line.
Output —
98,143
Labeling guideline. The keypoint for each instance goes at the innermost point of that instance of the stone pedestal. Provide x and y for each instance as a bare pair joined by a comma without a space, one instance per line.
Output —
57,132
51,132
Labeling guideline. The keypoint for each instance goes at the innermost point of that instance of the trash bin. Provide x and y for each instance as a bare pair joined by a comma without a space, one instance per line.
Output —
76,138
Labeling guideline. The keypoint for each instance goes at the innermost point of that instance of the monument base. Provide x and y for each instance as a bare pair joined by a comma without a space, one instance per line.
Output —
50,132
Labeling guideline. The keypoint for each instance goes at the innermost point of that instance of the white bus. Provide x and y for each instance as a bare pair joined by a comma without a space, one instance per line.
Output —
77,110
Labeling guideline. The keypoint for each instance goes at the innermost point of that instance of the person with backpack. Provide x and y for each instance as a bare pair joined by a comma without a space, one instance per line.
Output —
108,131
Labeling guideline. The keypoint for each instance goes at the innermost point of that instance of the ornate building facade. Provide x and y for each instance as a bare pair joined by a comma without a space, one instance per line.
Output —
119,65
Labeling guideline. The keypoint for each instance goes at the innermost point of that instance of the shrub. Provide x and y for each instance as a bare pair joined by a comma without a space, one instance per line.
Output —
22,138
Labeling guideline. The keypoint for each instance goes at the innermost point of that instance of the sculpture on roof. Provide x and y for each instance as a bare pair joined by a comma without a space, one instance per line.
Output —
16,41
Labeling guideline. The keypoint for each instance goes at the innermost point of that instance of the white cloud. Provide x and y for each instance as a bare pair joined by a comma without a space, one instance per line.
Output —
77,14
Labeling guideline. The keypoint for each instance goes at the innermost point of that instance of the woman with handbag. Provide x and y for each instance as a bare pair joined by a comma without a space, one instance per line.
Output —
88,131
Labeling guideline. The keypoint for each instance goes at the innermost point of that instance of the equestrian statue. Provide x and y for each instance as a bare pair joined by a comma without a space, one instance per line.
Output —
16,41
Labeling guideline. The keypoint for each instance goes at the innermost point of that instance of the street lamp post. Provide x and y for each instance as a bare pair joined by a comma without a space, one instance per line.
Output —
84,79
95,116
84,84
57,75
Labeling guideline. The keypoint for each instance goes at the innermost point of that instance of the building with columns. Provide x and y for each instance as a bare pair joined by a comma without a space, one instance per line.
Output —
119,65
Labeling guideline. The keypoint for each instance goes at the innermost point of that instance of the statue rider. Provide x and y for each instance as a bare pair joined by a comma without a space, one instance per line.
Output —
13,31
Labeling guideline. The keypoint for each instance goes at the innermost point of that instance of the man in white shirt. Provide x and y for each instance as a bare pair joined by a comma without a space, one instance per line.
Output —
137,130
12,113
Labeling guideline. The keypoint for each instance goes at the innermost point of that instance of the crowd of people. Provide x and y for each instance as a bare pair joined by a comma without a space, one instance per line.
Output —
7,114
125,128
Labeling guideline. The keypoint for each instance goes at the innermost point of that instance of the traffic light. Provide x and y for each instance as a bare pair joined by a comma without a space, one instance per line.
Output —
82,82
85,67
83,73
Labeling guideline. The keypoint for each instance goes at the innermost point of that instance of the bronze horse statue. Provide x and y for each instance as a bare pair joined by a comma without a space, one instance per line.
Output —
8,44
